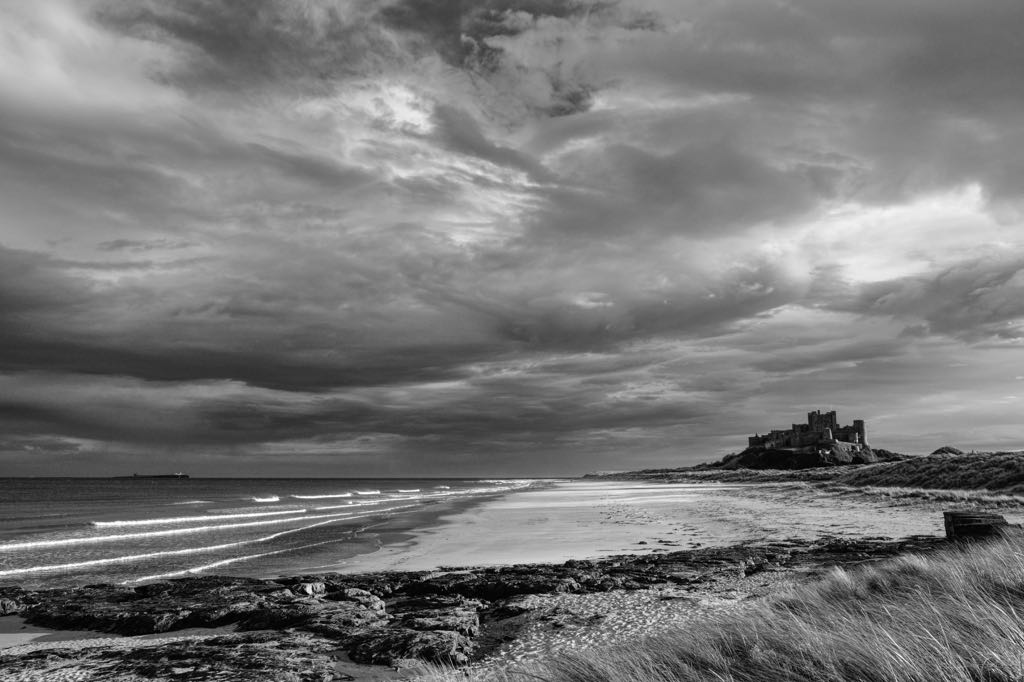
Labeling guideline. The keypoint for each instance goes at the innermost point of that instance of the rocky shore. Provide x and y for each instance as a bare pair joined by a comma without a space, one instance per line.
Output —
383,625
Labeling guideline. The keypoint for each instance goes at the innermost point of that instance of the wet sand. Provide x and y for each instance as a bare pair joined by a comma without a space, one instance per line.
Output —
585,520
14,631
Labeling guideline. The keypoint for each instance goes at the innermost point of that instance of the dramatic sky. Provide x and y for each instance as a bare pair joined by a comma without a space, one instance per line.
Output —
501,237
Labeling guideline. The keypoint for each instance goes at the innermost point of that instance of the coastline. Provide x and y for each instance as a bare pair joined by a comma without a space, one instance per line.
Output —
642,557
215,527
357,624
389,535
585,519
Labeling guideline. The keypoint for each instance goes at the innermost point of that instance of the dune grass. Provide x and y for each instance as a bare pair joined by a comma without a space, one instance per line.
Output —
963,499
1002,471
954,616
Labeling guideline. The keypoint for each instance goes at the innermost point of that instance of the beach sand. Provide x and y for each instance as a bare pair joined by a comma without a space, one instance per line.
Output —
578,520
592,519
14,631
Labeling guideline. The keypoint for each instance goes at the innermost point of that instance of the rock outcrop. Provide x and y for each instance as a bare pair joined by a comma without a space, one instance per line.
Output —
292,627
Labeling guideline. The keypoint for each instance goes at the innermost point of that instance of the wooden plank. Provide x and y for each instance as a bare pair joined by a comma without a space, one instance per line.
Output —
972,524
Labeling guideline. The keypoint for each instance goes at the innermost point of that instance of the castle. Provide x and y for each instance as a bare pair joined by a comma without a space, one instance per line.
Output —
821,430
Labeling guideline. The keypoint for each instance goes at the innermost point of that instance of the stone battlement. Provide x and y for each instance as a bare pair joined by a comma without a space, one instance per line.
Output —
822,429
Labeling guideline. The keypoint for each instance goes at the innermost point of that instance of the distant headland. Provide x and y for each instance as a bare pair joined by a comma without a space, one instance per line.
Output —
177,475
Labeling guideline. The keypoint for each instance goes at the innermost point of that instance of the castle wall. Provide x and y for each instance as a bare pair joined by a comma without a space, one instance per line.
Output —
821,428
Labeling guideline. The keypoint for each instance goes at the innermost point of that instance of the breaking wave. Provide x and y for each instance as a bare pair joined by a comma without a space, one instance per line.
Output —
64,542
191,519
154,555
320,497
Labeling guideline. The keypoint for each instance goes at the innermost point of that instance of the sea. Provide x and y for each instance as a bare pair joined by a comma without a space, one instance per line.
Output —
77,531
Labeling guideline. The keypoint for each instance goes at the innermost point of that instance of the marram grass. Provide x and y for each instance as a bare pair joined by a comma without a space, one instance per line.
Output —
998,471
948,617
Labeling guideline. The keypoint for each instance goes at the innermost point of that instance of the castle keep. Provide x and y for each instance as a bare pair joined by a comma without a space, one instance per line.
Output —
821,430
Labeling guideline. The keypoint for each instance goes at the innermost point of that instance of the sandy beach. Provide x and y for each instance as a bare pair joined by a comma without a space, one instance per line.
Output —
583,519
714,525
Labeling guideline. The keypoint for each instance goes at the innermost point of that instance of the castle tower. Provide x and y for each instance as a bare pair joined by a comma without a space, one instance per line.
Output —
858,426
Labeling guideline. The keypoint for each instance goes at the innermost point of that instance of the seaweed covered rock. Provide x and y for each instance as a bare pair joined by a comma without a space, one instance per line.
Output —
386,646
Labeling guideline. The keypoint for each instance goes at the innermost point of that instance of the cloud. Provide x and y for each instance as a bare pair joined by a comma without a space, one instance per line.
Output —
974,300
141,245
232,45
512,236
460,133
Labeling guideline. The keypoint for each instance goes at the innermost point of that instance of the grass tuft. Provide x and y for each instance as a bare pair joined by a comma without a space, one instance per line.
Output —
953,616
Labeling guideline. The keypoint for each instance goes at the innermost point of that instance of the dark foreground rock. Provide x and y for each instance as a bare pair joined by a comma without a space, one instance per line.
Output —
299,627
387,646
238,657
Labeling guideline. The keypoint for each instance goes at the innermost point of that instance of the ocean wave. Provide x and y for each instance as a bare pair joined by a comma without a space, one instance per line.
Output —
224,562
413,490
367,492
252,509
154,555
364,503
191,519
64,542
509,483
190,502
442,487
272,498
320,497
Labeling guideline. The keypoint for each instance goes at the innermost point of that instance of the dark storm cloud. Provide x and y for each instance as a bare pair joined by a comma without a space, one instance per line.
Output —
29,282
700,188
521,412
676,310
974,300
267,369
238,44
50,321
500,233
449,415
463,34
